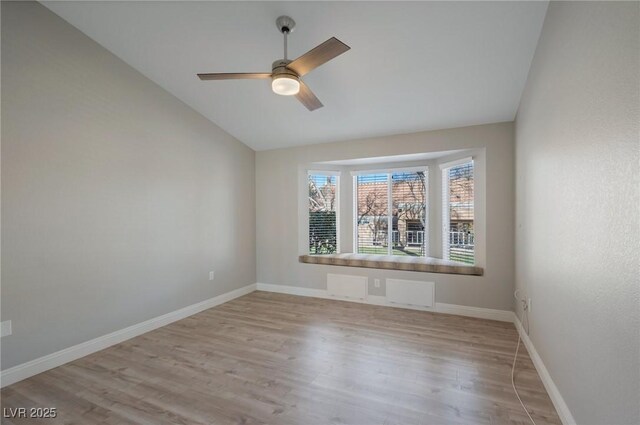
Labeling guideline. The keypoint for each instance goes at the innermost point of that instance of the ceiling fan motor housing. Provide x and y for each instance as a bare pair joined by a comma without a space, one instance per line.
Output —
279,67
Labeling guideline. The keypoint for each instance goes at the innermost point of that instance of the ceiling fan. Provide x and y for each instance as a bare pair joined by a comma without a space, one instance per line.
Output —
285,74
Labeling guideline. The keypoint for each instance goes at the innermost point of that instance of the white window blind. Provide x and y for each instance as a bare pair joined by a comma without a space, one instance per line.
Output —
458,213
323,217
394,200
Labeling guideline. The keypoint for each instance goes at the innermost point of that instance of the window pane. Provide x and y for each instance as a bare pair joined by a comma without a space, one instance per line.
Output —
322,215
372,217
408,196
461,230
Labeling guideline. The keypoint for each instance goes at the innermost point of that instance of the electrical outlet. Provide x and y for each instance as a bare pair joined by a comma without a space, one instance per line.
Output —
5,328
529,305
376,283
212,275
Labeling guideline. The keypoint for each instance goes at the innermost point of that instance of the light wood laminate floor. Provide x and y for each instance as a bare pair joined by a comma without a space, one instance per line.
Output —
281,359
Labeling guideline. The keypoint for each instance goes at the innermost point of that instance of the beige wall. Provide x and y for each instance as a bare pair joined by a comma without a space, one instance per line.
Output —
279,234
117,199
578,188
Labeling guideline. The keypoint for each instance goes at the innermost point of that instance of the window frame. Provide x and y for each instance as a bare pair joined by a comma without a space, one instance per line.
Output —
446,205
389,172
327,173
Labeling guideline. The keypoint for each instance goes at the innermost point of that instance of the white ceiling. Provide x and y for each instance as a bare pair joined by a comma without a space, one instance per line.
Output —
412,65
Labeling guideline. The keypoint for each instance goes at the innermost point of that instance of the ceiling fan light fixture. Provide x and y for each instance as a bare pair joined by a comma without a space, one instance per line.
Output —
285,85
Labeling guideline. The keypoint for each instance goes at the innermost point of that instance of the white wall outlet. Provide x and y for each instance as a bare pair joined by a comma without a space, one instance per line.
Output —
5,328
212,275
376,283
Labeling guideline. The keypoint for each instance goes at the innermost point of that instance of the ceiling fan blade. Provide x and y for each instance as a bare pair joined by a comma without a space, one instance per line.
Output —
234,76
318,55
307,98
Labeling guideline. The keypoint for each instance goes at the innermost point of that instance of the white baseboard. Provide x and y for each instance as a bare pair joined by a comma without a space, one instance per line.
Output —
460,310
477,312
292,290
556,398
39,365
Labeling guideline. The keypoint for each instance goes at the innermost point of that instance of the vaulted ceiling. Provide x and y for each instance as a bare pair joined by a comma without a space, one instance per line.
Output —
412,65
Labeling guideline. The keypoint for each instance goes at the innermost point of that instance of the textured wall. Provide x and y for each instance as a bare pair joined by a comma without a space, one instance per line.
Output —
117,199
578,206
278,233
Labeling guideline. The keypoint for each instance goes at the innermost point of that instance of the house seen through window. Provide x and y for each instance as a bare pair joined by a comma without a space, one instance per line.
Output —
390,214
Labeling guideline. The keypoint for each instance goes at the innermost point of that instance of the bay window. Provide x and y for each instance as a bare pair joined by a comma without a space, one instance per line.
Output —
393,211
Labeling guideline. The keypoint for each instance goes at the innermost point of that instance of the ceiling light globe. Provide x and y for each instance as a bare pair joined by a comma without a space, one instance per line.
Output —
285,85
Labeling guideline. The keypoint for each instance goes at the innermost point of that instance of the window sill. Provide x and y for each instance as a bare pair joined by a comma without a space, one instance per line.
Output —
389,262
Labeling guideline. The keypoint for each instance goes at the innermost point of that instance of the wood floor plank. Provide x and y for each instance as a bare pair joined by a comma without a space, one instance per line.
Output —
279,359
